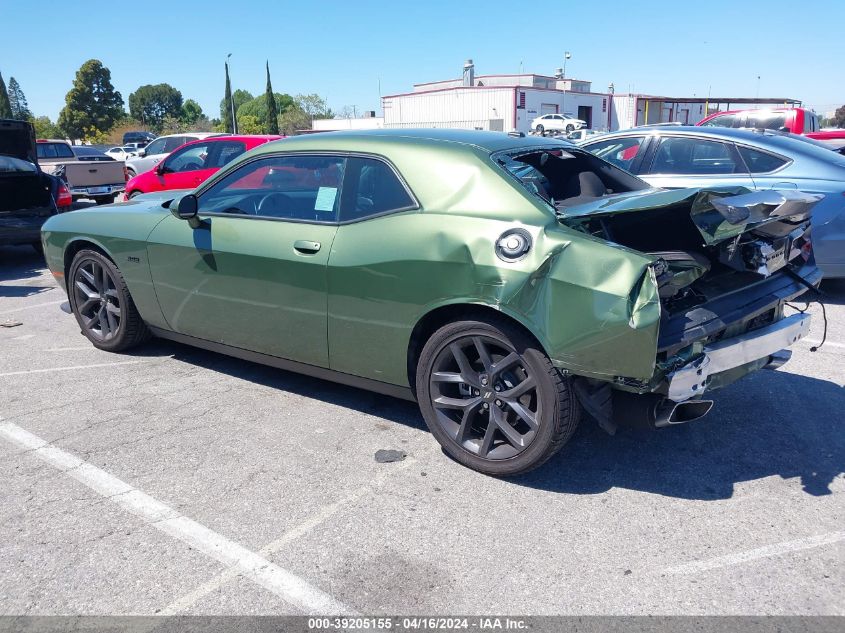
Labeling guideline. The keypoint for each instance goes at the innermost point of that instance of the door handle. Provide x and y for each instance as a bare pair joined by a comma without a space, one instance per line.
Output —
306,246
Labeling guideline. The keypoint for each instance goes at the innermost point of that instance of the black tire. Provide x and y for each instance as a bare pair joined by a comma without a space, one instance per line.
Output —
539,129
459,412
135,194
130,173
569,128
102,304
104,200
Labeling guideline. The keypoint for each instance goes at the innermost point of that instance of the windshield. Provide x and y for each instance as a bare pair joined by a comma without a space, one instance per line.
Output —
10,164
566,176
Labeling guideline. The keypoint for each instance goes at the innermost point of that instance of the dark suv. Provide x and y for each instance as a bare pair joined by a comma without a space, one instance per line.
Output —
142,139
26,193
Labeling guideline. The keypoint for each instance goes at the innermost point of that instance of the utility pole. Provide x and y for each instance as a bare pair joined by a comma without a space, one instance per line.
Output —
567,55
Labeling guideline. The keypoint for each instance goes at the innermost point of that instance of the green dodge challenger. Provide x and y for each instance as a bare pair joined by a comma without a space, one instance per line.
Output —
505,283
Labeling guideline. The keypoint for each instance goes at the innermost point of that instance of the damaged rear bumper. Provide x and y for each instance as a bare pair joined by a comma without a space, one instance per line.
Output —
693,379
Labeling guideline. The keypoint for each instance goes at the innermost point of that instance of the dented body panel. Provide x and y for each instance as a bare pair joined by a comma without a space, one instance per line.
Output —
593,304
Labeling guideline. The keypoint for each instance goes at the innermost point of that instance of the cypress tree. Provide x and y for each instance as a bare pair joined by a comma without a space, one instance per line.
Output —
272,124
227,100
5,106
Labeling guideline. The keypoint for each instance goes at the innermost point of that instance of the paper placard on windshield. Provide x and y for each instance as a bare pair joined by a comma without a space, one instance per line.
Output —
325,199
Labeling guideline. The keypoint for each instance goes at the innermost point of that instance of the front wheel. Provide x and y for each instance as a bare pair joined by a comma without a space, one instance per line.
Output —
492,398
539,129
102,304
569,128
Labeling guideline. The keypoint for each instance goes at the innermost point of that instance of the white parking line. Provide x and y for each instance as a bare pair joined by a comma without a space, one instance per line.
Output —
34,305
826,343
280,582
775,549
83,348
71,368
214,584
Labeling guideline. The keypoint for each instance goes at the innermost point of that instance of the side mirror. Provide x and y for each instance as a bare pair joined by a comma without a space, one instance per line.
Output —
185,208
142,152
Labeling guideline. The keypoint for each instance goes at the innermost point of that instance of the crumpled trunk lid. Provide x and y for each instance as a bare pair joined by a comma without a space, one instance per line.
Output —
719,214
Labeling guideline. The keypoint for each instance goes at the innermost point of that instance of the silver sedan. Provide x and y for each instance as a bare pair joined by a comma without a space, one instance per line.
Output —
680,157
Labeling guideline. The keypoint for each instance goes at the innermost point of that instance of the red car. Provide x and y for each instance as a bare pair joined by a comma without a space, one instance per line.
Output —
191,164
795,120
834,139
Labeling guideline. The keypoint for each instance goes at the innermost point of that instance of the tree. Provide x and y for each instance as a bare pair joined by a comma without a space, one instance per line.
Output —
92,103
191,112
272,119
45,128
249,124
315,106
839,117
240,97
227,108
258,108
17,101
5,106
152,104
294,119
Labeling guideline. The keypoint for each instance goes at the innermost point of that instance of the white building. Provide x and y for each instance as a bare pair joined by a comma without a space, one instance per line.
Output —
494,102
362,123
511,102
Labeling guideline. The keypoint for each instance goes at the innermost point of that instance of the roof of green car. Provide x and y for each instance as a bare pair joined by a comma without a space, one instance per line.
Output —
364,140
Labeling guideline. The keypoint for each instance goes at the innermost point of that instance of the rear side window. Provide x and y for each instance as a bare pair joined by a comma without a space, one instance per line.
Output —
725,120
53,150
767,120
224,152
173,143
619,151
679,155
374,188
760,162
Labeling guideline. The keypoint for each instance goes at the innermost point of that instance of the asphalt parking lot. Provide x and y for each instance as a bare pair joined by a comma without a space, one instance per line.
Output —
173,480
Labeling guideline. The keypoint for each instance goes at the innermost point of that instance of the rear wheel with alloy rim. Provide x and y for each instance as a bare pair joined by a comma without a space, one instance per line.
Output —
102,304
492,398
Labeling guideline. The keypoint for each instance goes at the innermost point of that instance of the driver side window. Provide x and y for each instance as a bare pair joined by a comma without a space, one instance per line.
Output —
191,158
156,147
302,188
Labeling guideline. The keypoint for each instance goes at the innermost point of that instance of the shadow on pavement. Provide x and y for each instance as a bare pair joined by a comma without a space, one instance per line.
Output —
834,291
19,263
772,423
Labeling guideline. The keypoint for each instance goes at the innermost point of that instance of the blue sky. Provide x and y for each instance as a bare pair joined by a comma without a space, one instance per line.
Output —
345,50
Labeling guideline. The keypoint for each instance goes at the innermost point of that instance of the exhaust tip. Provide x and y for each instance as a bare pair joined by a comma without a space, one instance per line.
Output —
686,412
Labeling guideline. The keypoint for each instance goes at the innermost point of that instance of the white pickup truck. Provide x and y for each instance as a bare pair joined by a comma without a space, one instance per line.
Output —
99,180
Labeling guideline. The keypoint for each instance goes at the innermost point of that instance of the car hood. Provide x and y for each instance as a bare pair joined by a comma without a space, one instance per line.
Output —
156,196
17,138
719,214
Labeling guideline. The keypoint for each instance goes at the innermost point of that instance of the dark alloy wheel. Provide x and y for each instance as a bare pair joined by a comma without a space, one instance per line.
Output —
102,304
492,398
569,128
539,129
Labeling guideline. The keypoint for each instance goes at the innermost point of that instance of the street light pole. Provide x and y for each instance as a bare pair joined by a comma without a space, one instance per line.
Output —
566,56
232,100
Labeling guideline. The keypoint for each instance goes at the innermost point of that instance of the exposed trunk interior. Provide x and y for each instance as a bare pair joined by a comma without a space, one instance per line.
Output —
25,193
707,245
